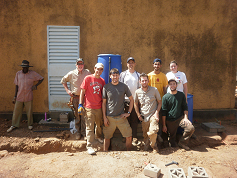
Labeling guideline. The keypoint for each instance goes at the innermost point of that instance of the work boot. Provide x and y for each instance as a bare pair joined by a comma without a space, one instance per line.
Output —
146,145
134,141
100,140
155,149
194,136
78,136
183,146
173,143
11,128
166,144
159,138
91,151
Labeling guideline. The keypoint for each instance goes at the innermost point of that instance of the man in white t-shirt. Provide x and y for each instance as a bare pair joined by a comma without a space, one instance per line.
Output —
179,77
131,78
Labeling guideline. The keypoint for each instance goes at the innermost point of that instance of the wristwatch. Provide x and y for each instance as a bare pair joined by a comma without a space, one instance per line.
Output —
129,112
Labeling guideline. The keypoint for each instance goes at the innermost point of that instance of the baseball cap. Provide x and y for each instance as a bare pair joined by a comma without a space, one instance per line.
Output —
130,58
99,65
79,60
157,60
172,79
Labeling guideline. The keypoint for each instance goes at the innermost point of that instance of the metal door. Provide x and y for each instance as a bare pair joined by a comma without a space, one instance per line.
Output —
63,50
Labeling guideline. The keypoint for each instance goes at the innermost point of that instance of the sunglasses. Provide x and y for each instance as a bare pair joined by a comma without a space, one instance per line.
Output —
80,64
114,73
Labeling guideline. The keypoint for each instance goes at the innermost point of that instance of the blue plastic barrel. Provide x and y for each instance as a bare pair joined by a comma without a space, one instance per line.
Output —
110,61
190,107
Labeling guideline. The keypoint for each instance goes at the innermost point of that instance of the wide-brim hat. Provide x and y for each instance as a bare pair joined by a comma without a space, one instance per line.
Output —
25,63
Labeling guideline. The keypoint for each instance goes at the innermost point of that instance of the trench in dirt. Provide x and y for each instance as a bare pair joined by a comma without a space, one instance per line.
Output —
24,140
41,146
47,145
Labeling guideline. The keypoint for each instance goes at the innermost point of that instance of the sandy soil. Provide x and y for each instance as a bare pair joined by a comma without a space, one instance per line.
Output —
25,153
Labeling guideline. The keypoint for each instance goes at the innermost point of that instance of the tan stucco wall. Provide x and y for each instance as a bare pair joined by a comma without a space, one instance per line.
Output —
200,35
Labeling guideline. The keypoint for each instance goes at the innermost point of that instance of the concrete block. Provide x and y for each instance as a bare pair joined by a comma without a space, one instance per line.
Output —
63,117
213,127
152,170
54,123
197,172
176,173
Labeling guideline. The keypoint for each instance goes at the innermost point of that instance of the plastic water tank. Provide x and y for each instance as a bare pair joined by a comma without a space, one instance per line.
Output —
110,61
190,107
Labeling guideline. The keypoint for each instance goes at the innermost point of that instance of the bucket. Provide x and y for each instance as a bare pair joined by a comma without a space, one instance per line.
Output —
109,61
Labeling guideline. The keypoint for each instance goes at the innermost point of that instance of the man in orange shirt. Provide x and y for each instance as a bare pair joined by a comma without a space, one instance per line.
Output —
159,80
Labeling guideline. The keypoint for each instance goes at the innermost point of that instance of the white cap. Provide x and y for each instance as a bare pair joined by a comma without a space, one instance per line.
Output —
99,65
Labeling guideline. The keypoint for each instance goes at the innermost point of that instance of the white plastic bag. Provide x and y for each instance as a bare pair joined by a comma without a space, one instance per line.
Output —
72,125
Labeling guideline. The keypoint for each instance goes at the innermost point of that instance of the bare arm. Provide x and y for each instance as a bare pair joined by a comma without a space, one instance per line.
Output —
34,87
131,104
81,109
156,114
39,82
186,121
16,91
159,106
164,129
106,121
81,99
137,111
67,90
186,114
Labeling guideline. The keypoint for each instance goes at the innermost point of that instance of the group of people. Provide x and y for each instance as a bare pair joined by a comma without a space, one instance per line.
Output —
128,98
157,100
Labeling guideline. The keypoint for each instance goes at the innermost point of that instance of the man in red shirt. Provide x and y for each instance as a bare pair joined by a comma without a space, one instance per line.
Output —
24,82
91,90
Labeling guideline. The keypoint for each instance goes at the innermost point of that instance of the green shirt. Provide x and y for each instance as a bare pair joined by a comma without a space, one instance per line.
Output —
173,106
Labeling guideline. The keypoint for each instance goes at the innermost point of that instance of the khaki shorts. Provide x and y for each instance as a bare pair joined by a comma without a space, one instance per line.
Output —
122,125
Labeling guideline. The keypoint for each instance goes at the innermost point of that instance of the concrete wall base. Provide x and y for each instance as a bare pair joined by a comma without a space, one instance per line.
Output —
200,115
214,115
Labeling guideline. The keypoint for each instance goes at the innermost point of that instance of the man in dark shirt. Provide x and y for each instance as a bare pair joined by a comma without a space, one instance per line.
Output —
175,114
113,110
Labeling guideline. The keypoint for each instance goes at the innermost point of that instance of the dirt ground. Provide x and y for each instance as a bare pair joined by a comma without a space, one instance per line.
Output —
26,153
